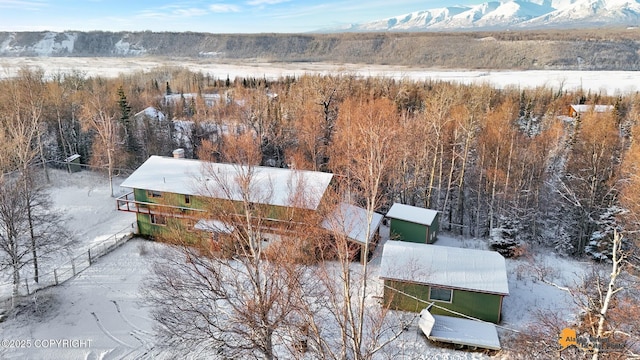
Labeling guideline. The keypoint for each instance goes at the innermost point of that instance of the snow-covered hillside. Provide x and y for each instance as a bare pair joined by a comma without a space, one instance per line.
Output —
513,14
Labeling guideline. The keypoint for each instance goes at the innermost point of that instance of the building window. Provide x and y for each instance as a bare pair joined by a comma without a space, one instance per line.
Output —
187,199
154,194
440,294
158,219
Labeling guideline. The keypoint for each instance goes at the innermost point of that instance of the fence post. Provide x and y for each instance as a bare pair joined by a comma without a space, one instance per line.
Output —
55,276
26,284
73,267
89,256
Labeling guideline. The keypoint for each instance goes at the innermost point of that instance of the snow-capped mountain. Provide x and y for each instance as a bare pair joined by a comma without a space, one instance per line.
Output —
513,14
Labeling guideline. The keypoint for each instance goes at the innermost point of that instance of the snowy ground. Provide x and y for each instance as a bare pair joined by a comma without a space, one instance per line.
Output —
603,82
89,214
100,312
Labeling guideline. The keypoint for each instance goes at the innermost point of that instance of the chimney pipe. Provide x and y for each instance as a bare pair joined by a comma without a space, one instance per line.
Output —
178,154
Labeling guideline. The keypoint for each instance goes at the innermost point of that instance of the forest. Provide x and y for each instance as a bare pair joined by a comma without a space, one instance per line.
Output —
510,165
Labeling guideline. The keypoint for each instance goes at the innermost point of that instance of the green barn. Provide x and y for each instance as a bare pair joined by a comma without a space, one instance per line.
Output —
413,224
456,280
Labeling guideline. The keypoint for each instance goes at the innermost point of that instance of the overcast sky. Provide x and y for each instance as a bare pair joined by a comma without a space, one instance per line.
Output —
223,16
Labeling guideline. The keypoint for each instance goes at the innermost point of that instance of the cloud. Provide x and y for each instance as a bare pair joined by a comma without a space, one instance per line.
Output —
265,2
189,12
224,8
177,11
23,4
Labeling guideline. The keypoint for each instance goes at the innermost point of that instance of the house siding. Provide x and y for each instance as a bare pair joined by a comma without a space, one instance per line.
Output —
145,227
412,232
483,306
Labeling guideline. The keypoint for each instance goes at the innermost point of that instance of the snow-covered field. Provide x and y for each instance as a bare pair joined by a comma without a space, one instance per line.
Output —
604,82
100,314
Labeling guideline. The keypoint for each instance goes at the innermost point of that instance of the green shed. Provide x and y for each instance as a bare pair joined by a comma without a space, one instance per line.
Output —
413,224
456,280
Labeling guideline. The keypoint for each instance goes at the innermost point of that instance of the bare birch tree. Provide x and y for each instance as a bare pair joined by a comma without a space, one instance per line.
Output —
13,227
232,291
29,228
100,114
364,155
613,288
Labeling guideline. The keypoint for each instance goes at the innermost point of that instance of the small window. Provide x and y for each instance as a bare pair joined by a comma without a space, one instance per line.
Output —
158,219
154,194
440,294
187,199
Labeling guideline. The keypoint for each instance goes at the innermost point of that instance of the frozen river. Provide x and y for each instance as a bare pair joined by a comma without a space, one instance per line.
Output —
604,82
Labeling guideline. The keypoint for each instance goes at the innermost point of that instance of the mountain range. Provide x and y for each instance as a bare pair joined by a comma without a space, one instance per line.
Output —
512,14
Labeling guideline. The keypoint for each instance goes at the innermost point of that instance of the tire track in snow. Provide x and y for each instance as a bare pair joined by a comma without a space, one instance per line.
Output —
144,337
125,319
106,332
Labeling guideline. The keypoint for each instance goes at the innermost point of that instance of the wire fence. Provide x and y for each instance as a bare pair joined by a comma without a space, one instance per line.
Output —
63,272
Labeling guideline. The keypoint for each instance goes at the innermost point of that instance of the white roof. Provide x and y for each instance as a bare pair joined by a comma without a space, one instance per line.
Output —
581,108
449,267
152,113
412,214
71,158
459,331
271,186
351,220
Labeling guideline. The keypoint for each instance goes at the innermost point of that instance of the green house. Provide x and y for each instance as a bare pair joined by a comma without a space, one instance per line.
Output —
456,280
170,189
413,224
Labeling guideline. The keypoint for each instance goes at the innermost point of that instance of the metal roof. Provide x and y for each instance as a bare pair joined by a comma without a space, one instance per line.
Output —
444,266
351,220
267,185
459,331
412,214
581,108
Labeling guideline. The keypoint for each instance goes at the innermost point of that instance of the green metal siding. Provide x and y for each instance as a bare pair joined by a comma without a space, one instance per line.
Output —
412,232
478,305
408,231
434,228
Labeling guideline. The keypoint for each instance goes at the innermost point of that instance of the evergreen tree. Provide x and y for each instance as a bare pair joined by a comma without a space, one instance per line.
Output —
131,144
